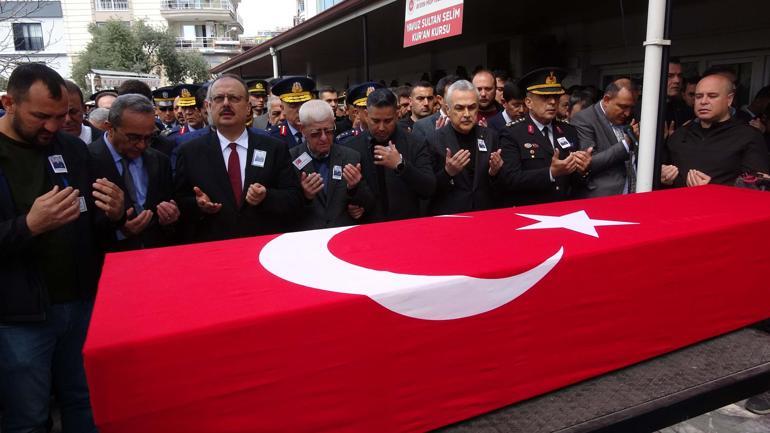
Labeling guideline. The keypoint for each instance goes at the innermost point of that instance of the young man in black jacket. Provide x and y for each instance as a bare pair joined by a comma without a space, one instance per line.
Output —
51,213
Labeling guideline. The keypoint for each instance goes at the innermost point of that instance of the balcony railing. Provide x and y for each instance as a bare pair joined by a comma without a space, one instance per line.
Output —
112,5
181,5
207,43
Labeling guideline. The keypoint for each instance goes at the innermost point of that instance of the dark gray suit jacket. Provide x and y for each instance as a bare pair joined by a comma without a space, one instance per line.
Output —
608,168
329,208
425,127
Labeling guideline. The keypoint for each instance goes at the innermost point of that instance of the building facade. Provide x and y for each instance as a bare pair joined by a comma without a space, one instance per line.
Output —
56,32
32,32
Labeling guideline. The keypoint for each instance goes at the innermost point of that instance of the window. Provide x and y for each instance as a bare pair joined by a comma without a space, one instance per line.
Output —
28,36
112,5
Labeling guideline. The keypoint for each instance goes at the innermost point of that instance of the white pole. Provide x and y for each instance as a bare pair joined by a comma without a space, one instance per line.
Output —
274,53
653,57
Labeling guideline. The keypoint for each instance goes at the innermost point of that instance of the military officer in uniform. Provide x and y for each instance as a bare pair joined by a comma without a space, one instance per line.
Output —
541,154
258,101
164,106
293,92
357,100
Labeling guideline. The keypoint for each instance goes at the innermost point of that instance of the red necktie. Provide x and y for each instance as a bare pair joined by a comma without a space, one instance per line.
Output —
234,173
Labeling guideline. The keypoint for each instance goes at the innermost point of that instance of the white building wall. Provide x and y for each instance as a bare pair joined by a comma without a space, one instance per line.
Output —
78,15
149,11
54,51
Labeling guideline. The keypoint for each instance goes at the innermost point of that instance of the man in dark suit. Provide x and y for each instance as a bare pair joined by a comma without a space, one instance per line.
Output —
124,157
293,92
395,166
232,182
330,174
607,130
425,126
541,154
513,107
466,157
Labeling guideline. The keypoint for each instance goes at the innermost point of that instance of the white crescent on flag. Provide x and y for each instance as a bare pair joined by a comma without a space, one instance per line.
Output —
428,297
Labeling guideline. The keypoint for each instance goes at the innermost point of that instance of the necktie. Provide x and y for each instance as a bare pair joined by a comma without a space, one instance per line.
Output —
547,136
234,173
322,165
299,137
128,180
629,163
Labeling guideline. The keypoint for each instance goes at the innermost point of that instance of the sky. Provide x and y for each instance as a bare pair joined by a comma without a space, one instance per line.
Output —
266,14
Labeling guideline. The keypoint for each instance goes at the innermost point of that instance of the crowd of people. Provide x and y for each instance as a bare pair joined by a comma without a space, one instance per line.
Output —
135,168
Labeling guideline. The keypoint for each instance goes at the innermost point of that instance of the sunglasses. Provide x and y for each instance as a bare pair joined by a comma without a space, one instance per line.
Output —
166,108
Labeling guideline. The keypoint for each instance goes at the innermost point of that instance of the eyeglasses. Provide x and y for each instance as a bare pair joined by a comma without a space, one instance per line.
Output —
234,99
135,139
166,108
316,133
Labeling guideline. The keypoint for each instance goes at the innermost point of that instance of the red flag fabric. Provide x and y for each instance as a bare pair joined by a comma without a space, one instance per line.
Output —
411,325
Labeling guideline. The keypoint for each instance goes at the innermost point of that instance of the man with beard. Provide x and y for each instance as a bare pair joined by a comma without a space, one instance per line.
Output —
51,214
466,157
396,167
424,127
420,103
541,154
488,106
74,123
234,182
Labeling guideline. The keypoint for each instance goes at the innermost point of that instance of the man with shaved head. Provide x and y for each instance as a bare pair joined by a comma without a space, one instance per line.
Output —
715,148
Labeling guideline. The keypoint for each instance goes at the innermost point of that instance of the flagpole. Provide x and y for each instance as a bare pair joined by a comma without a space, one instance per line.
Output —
652,98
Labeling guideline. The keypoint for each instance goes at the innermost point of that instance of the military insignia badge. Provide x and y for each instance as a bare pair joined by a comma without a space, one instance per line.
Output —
185,94
296,88
369,91
550,79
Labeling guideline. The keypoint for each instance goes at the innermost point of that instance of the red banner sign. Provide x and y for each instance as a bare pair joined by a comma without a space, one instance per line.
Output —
431,20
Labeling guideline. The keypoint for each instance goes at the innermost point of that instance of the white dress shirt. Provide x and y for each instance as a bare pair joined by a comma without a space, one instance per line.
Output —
242,148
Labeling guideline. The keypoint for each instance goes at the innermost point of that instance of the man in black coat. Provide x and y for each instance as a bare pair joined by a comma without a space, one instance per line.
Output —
466,157
330,174
232,182
124,157
395,166
541,154
716,148
51,213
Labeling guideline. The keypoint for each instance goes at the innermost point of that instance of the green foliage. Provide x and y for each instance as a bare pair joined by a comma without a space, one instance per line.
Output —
137,48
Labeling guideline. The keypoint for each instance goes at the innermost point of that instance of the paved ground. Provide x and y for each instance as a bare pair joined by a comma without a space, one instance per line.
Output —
729,419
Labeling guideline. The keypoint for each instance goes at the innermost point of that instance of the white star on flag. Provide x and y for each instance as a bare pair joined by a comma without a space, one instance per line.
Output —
575,221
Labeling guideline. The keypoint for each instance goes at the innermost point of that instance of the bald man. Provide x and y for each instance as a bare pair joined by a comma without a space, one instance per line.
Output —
715,148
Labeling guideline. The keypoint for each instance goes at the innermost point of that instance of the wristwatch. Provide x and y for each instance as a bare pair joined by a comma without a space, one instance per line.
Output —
400,166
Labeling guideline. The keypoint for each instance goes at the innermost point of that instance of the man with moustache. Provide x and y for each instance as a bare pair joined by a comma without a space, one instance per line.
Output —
466,157
396,166
716,148
329,173
234,182
607,130
51,214
541,154
424,127
356,101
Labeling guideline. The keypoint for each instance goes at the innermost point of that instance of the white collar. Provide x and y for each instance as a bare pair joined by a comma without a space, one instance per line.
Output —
539,125
85,134
242,141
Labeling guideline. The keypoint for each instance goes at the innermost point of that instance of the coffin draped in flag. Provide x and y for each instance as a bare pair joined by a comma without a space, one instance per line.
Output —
411,325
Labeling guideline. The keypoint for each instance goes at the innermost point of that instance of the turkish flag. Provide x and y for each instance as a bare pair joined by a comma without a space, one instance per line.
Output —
412,325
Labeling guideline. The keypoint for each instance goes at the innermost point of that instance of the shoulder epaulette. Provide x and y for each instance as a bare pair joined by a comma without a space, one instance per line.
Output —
516,121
